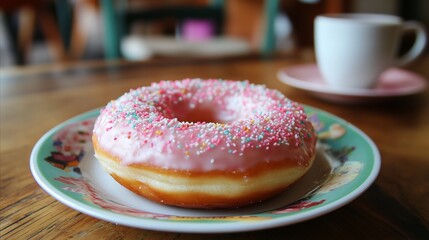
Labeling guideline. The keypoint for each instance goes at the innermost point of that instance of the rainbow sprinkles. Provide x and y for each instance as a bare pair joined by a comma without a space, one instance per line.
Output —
195,119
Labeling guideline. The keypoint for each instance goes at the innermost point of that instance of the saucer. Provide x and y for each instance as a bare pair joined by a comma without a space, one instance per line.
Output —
346,164
393,82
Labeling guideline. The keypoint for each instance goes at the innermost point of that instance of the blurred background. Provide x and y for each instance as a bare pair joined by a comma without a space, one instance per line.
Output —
47,31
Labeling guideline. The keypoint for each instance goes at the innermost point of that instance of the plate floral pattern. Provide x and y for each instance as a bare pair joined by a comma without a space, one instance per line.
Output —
59,163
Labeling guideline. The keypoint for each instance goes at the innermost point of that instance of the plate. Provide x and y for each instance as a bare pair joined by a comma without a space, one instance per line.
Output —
63,164
394,82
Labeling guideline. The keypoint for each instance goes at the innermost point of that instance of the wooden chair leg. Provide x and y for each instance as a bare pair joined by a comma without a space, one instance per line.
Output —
52,35
26,24
80,32
78,38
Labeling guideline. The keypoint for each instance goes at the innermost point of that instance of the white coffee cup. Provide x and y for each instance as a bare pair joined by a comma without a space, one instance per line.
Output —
352,50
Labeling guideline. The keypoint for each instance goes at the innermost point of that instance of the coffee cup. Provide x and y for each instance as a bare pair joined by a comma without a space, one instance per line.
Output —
352,50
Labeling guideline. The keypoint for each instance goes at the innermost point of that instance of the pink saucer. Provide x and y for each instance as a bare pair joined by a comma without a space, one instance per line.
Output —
393,82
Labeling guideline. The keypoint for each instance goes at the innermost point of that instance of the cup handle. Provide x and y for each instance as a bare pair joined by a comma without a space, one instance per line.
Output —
419,43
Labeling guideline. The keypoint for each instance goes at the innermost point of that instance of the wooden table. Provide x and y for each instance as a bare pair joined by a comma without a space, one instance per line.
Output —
35,99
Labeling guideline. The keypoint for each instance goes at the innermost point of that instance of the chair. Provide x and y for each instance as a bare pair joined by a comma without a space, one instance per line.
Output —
29,13
117,19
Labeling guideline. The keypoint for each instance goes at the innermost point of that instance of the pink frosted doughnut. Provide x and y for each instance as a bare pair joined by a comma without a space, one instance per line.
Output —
204,143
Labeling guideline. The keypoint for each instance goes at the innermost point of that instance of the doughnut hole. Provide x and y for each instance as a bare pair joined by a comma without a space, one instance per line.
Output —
209,112
200,114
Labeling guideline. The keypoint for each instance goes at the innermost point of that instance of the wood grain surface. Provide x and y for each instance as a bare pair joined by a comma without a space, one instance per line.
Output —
35,99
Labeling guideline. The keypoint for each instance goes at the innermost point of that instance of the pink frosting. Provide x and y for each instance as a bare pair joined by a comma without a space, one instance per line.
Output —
205,125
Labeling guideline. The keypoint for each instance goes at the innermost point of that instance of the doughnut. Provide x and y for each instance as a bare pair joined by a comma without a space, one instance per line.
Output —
204,143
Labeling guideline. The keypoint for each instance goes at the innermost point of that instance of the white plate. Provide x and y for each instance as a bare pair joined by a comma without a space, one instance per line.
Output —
393,82
62,163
